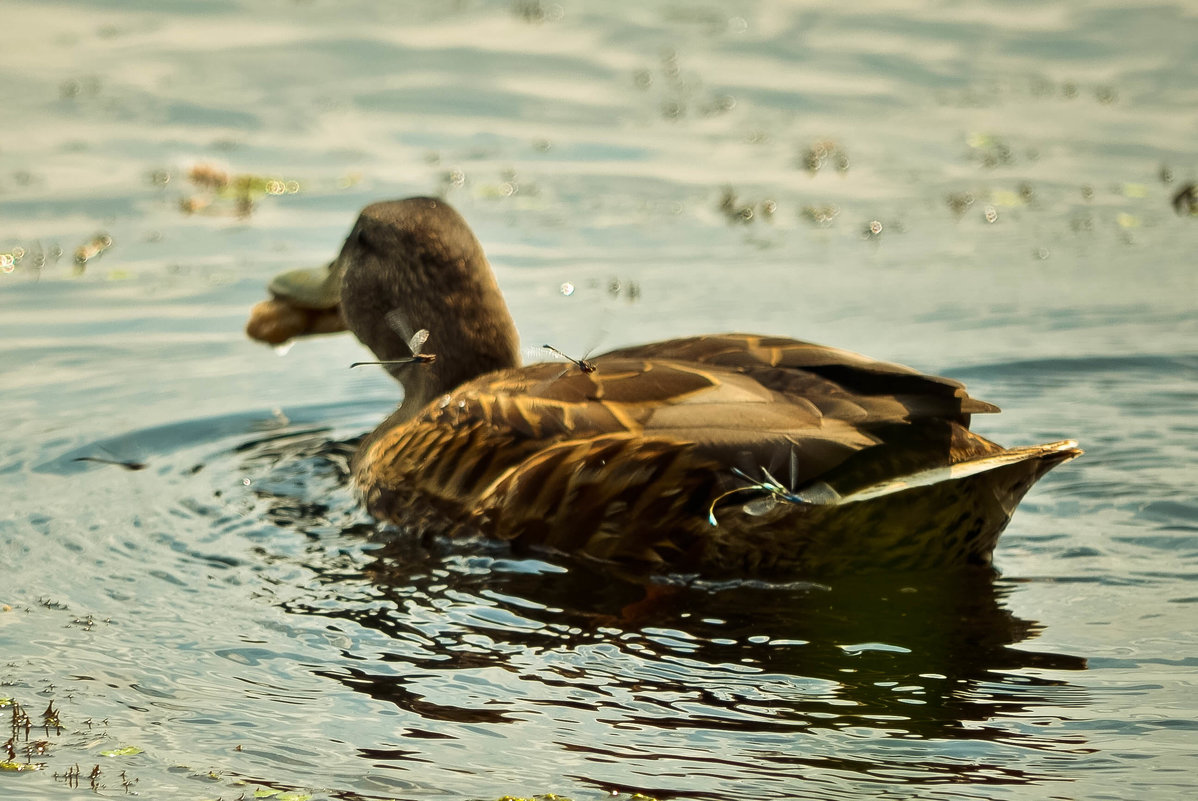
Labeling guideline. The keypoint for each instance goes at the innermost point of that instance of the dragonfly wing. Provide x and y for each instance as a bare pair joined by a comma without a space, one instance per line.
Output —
400,325
417,341
759,506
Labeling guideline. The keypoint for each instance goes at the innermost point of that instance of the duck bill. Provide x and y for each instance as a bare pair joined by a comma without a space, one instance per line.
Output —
304,302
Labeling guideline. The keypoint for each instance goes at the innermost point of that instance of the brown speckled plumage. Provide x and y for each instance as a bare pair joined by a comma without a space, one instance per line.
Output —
872,465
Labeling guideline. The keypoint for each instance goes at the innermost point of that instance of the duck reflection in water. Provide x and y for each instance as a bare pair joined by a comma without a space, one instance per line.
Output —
921,656
944,636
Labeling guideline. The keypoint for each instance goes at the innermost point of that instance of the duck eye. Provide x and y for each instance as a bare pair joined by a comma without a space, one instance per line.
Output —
362,237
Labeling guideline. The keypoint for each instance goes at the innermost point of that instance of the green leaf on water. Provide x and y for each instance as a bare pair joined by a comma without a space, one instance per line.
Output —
279,795
555,797
15,767
124,750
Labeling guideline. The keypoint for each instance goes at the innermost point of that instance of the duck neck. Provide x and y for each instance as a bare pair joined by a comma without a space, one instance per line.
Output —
416,265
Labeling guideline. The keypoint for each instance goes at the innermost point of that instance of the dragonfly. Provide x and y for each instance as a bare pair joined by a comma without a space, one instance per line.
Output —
584,365
773,492
415,342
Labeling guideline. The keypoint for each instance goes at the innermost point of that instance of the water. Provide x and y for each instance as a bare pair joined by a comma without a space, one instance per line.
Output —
231,612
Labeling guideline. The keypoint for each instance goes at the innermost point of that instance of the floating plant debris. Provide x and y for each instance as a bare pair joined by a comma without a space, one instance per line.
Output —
824,152
124,750
1186,200
91,249
127,464
219,188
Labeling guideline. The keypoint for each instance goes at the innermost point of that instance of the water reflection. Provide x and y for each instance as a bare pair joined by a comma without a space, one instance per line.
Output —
730,680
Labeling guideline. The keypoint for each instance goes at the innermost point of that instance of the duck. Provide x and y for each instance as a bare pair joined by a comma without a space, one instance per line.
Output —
738,455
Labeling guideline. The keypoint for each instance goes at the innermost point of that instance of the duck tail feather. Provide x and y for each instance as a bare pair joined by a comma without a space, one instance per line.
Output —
1046,456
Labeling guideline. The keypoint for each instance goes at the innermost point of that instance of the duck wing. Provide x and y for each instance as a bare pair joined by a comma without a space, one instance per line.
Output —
874,420
825,375
756,404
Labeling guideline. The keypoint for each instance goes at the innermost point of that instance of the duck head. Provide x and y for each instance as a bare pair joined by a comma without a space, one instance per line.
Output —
407,265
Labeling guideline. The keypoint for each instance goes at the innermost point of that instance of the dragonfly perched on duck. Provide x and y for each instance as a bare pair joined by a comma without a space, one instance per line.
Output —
415,342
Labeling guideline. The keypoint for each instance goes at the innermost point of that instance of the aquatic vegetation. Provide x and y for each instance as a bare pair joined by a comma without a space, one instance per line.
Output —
822,153
990,150
19,742
219,188
554,797
124,750
737,211
128,464
1186,200
280,795
91,249
821,215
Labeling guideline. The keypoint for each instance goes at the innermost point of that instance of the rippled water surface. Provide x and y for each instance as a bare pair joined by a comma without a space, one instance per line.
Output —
979,190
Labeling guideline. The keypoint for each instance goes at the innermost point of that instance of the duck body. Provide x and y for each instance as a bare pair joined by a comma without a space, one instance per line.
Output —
730,454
